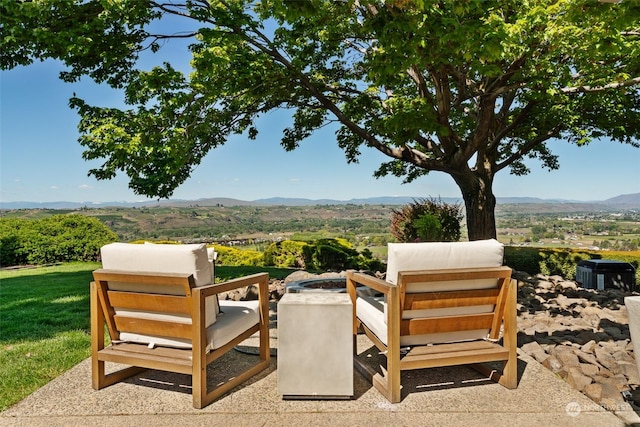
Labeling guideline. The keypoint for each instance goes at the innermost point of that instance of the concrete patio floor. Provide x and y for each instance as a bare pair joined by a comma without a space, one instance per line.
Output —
456,396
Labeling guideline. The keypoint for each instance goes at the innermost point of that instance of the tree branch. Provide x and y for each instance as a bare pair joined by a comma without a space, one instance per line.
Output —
524,113
174,36
430,145
526,148
420,82
587,89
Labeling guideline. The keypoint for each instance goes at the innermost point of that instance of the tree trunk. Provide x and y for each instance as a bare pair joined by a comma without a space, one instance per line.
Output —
480,204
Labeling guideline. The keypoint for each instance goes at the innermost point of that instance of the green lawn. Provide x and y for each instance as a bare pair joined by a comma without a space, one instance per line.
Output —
44,323
44,326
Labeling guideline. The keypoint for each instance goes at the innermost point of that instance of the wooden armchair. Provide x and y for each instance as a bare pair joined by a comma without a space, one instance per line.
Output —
170,321
445,304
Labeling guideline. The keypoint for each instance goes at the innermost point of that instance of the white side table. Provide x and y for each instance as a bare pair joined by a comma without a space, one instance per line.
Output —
315,345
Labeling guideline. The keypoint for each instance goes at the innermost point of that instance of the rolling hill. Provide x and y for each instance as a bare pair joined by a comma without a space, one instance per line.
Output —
625,201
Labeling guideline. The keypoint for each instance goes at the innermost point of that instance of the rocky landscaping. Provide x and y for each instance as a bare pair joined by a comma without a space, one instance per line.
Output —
582,335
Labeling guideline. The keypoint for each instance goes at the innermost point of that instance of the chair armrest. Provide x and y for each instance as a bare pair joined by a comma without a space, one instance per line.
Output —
356,278
261,279
453,274
392,296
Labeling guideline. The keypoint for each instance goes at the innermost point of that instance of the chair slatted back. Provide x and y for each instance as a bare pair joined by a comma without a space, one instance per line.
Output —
458,309
170,300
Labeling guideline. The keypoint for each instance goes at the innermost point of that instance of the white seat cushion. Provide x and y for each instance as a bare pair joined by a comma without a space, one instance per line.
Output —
372,312
236,317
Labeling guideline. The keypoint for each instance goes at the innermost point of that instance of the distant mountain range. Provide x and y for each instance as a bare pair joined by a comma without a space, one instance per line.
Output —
626,201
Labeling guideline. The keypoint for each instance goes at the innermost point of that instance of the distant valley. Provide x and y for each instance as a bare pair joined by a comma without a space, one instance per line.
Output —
626,201
612,223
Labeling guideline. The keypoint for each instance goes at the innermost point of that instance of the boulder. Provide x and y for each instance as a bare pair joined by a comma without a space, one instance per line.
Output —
576,379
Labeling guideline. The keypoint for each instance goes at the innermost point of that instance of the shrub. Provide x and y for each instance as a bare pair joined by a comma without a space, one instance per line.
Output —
322,254
58,238
559,261
367,261
287,253
428,228
332,258
427,220
331,255
236,257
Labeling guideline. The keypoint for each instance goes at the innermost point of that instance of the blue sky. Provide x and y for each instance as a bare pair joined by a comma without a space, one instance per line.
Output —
41,160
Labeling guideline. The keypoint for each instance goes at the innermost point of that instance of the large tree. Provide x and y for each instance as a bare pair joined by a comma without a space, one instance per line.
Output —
464,87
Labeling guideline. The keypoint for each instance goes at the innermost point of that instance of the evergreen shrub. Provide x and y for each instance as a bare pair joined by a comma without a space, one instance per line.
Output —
427,220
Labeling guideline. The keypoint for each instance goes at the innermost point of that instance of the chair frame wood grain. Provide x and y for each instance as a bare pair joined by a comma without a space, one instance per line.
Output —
501,321
189,302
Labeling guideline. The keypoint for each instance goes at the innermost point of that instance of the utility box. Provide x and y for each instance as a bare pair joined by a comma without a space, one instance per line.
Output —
606,274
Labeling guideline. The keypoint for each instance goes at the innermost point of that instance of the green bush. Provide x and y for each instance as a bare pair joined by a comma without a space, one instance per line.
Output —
333,258
286,254
237,257
322,254
632,257
367,261
428,227
522,259
58,238
9,249
427,221
563,262
331,255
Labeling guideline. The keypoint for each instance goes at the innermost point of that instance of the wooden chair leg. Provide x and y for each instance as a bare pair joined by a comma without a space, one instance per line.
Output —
393,375
99,379
509,378
201,396
97,338
388,384
510,370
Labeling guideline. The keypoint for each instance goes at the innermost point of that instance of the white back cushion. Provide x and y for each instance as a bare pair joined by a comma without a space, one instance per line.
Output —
161,258
435,256
442,255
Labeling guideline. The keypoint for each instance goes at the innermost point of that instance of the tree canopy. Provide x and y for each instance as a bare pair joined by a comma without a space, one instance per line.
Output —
467,87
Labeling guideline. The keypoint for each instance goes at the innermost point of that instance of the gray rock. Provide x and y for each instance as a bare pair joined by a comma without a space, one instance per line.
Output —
630,371
587,358
590,346
298,275
589,370
594,391
535,350
576,379
566,357
606,359
553,364
581,335
566,285
605,394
